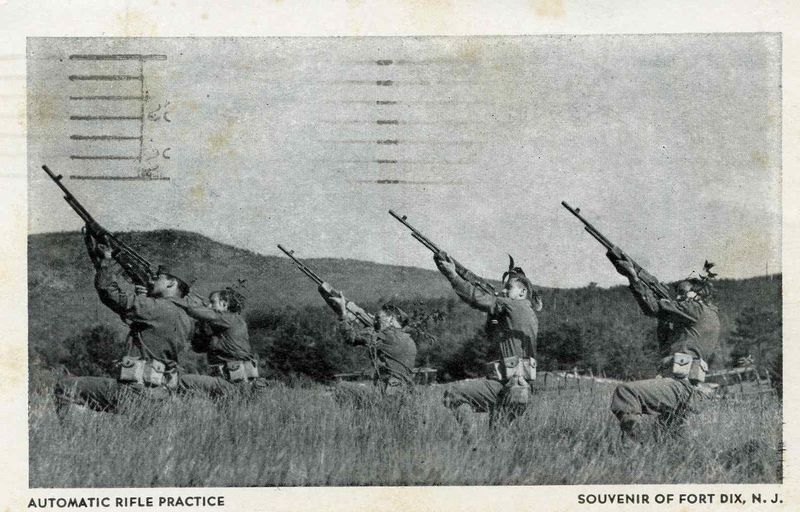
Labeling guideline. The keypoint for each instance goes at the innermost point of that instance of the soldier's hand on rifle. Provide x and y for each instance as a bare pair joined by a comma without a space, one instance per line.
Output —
139,289
623,266
97,251
339,302
444,263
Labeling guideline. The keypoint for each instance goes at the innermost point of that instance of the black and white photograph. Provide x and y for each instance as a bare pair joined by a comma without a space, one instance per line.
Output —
510,261
404,261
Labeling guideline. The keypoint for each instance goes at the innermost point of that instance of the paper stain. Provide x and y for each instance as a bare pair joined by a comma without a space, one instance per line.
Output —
136,23
204,16
470,51
549,8
198,197
22,117
191,105
761,159
431,15
44,109
12,368
198,193
12,357
219,143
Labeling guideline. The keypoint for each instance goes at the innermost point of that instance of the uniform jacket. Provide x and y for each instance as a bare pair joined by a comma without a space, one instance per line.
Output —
222,336
393,350
689,326
511,324
159,329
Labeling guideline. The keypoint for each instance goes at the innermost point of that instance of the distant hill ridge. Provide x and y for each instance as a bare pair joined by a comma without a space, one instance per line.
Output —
62,299
61,291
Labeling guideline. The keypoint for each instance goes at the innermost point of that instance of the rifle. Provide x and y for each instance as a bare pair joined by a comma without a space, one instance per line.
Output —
461,270
661,291
352,308
135,267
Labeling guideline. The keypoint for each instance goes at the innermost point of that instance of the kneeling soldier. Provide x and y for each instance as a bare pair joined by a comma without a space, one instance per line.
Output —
392,351
688,332
512,327
159,330
224,338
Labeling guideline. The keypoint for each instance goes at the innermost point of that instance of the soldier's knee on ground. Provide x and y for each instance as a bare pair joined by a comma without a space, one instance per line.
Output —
64,391
624,401
450,399
630,426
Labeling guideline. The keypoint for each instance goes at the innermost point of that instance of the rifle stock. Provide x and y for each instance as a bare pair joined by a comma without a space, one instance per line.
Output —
353,310
461,270
661,291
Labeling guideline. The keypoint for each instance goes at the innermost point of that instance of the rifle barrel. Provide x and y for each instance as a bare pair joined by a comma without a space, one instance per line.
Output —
300,265
416,233
588,225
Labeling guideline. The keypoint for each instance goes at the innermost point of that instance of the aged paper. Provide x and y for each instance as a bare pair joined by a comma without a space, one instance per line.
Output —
252,125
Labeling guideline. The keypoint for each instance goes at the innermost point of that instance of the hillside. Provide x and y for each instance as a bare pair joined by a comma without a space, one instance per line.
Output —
61,291
590,327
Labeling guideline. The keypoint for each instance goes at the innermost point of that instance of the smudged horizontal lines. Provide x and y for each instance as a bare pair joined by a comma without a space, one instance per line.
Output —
118,56
105,118
110,98
406,62
105,137
118,178
388,181
395,142
106,78
392,161
393,83
103,157
385,122
413,102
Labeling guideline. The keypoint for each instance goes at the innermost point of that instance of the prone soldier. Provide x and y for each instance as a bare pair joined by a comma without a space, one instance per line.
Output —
223,336
688,332
160,330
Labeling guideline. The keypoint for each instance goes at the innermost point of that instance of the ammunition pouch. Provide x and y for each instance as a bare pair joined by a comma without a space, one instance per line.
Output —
131,369
697,373
148,372
235,371
509,367
686,366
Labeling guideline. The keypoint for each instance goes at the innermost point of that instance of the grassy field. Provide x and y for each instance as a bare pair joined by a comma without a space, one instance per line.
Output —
302,437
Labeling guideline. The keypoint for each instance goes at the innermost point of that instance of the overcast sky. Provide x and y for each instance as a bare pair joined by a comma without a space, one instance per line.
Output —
670,144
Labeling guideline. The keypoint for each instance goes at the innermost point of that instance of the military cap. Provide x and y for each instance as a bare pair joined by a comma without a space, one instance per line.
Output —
178,271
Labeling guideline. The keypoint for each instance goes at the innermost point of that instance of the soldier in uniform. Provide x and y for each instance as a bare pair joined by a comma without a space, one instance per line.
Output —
688,332
392,351
160,329
223,336
511,327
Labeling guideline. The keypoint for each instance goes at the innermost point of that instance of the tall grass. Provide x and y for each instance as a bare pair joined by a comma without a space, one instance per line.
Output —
302,437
